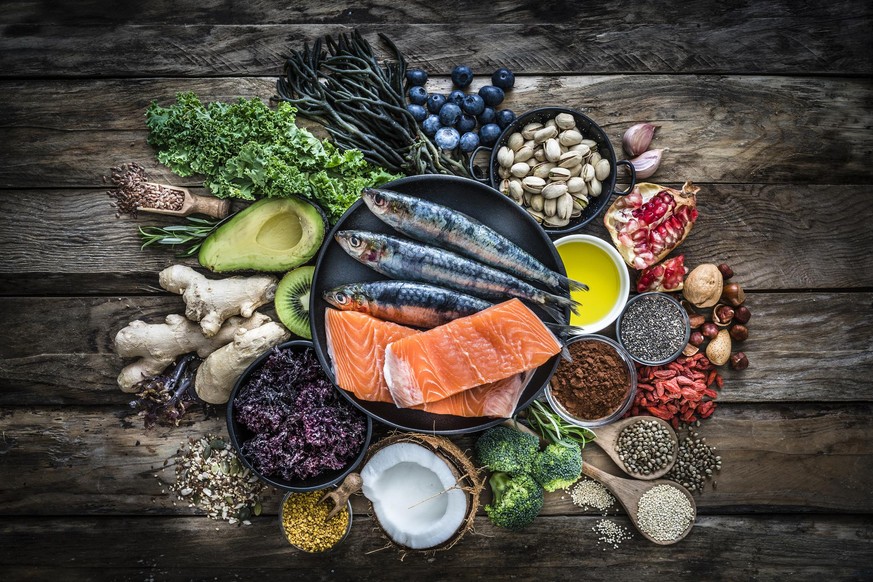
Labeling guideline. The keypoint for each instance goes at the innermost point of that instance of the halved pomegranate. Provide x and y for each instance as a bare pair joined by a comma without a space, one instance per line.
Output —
651,221
668,275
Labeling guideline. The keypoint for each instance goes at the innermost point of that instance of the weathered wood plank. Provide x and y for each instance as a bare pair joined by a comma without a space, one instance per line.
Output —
775,236
718,129
62,351
698,37
718,548
66,461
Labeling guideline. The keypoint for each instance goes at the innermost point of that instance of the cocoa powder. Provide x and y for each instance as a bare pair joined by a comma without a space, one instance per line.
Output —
594,384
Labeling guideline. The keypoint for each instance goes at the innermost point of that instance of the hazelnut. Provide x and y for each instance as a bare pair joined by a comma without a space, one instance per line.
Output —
739,361
709,330
696,320
722,315
739,332
696,338
726,271
742,314
733,294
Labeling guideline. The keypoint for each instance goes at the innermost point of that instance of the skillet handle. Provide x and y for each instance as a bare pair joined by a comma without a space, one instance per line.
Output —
487,178
633,177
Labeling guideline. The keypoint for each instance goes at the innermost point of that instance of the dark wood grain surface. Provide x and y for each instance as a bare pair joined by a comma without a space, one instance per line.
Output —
768,106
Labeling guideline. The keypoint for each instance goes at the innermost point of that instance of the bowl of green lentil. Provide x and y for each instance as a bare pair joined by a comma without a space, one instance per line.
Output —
303,521
653,328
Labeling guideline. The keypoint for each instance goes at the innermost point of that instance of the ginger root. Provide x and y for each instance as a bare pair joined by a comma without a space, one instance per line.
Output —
210,301
220,370
158,345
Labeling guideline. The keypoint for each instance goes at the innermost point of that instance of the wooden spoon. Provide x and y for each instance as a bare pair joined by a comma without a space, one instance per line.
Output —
607,439
350,485
629,491
192,204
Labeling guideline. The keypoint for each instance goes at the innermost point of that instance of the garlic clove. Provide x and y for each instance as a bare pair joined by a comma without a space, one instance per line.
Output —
647,163
637,138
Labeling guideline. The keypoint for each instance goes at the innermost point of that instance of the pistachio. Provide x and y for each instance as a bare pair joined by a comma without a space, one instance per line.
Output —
559,174
538,216
503,172
552,149
581,148
505,157
570,137
590,143
576,171
515,141
594,158
530,129
565,121
504,186
537,202
550,206
515,190
545,133
533,184
530,143
520,170
602,169
577,185
551,123
579,204
587,172
523,154
554,190
556,222
539,155
595,187
543,169
564,207
570,159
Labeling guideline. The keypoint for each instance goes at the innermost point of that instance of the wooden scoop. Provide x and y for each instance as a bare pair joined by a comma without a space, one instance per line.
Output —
607,439
629,491
192,204
340,496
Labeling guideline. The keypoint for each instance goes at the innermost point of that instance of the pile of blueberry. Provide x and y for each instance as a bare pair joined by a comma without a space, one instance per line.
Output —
452,120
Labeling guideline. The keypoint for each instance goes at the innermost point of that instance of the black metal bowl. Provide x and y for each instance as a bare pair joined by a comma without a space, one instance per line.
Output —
334,267
589,130
240,434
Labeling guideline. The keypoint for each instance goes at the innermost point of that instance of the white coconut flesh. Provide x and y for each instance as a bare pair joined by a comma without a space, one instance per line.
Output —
413,495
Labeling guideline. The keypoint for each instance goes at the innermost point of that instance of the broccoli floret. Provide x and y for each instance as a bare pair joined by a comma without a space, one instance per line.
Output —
558,466
517,500
507,450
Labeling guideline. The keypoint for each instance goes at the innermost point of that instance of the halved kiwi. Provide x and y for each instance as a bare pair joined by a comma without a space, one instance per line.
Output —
292,301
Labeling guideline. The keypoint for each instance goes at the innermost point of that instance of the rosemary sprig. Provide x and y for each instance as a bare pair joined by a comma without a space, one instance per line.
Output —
362,104
190,235
552,427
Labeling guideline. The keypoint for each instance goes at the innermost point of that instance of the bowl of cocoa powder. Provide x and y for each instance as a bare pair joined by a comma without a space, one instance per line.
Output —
597,387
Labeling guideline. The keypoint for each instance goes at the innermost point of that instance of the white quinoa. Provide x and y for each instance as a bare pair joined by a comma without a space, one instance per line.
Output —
589,494
664,512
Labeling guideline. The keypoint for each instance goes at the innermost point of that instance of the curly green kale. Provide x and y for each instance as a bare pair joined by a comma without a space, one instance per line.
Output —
558,466
508,450
517,500
247,150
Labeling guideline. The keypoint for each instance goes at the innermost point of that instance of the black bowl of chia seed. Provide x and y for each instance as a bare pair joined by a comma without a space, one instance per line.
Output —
653,328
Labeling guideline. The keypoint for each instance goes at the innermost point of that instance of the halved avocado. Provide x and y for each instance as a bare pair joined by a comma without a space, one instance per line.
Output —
271,235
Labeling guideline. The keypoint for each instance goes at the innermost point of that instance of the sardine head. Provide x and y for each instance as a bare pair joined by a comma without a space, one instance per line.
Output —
358,245
346,298
378,201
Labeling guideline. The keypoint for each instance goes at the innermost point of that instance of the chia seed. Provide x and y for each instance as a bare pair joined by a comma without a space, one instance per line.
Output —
653,329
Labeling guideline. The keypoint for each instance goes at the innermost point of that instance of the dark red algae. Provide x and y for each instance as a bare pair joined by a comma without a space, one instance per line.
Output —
302,426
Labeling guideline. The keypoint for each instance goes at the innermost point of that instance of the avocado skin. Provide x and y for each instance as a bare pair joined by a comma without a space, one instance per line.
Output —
234,245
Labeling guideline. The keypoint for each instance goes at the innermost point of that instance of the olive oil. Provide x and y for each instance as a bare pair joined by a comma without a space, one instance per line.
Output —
587,263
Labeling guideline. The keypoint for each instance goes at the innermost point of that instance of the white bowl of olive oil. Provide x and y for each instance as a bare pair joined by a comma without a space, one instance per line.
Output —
595,262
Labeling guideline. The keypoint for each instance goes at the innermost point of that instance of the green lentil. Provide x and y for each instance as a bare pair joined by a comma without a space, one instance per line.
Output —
304,520
645,447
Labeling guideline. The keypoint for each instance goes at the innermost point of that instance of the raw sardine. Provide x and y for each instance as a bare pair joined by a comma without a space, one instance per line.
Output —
449,229
407,260
405,302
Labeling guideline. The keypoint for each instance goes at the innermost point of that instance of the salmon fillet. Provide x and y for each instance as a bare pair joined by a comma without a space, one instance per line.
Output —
497,399
485,347
356,345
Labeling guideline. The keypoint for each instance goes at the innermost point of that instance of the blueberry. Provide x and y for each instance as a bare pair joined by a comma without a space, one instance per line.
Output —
417,95
466,123
493,96
449,114
462,76
487,116
416,77
489,133
456,97
447,138
473,104
431,125
435,102
503,78
469,142
505,117
419,113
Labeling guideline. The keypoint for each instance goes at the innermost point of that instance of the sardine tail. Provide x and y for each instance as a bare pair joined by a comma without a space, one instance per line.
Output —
554,313
572,284
563,302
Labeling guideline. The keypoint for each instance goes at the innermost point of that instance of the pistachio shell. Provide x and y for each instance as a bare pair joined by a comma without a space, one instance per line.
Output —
554,190
504,186
545,133
505,157
565,121
552,149
570,137
579,204
602,169
538,216
523,154
515,141
520,170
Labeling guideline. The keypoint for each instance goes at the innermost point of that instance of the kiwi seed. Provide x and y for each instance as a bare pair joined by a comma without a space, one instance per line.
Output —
292,300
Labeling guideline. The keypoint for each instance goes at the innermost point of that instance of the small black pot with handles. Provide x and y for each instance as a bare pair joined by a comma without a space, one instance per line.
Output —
589,130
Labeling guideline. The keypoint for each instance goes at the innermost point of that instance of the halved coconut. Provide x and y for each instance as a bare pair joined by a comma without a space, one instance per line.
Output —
423,491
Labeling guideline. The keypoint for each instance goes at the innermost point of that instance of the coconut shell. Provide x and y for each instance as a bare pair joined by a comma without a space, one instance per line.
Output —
468,477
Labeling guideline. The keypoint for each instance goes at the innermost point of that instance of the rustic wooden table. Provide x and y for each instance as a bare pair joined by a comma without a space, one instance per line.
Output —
766,106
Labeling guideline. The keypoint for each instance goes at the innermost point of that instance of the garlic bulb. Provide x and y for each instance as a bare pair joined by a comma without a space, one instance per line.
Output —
637,138
647,163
